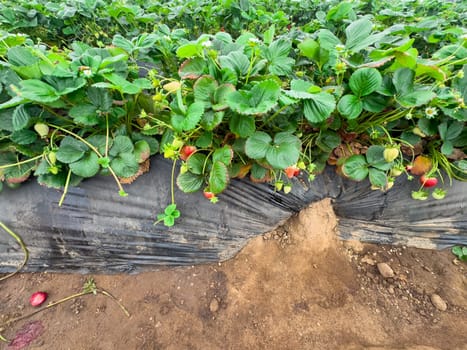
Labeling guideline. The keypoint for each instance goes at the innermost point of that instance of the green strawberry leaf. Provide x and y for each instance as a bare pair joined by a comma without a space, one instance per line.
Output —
142,151
190,50
204,89
236,61
319,107
71,150
258,172
350,106
375,157
100,98
364,81
38,91
278,58
192,68
355,167
377,177
309,48
242,125
211,119
125,165
223,155
257,145
23,137
85,114
415,98
189,120
189,182
218,177
121,144
20,118
220,96
87,166
259,100
197,163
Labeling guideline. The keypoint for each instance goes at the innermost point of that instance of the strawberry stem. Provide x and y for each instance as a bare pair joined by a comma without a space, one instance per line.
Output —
65,189
172,181
90,288
23,247
95,150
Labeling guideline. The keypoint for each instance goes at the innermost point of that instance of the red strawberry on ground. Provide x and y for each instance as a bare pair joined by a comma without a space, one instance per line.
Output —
37,298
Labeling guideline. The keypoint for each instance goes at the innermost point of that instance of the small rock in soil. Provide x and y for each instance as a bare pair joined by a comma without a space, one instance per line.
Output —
368,260
385,270
214,305
438,302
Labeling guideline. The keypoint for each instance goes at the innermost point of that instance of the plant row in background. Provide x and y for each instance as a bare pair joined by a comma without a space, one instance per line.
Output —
343,87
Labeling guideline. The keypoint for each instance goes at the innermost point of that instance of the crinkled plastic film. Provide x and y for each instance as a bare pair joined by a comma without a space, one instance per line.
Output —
95,230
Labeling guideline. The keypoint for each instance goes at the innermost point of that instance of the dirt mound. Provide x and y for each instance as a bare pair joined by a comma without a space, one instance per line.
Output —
295,288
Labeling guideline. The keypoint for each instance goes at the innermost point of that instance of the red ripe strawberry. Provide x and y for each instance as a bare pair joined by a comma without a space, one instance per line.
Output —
208,194
187,151
211,196
37,298
427,181
292,171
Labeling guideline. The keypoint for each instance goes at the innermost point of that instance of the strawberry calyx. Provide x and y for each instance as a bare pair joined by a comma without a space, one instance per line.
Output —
438,193
420,195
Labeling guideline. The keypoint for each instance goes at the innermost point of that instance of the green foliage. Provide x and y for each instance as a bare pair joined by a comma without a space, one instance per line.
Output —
170,214
460,252
258,88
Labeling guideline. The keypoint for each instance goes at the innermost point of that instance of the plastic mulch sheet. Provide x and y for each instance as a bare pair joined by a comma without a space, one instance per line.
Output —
95,230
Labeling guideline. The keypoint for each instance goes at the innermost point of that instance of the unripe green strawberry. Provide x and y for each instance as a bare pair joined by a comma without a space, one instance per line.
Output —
301,165
417,131
287,188
53,169
177,143
173,86
396,171
158,97
52,157
390,154
183,168
169,151
42,129
278,185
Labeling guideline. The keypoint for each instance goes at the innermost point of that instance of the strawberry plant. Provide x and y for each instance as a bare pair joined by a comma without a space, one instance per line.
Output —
234,89
460,252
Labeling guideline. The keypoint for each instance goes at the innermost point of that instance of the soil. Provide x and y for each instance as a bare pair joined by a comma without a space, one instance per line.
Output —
295,288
